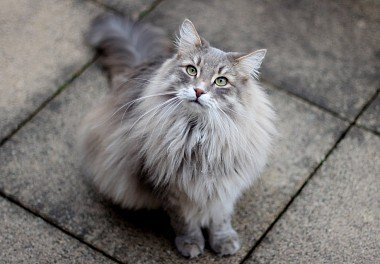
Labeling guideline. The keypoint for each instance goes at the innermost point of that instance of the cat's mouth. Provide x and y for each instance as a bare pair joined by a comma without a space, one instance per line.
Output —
195,101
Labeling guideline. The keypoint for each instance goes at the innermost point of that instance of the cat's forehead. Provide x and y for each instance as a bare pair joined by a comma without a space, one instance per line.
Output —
210,58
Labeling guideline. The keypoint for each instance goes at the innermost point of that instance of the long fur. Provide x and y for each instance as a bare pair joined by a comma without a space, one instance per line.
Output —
147,145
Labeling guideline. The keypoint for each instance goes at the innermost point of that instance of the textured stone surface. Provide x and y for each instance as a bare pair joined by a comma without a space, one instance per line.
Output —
39,167
371,117
41,48
336,217
325,51
131,8
28,239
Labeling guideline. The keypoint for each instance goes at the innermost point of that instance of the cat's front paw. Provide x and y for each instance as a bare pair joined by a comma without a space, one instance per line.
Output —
225,243
190,246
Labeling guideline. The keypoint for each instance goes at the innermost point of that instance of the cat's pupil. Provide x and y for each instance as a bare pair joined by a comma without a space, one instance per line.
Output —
191,70
221,81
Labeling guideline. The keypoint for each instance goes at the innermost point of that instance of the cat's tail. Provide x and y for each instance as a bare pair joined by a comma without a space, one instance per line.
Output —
124,44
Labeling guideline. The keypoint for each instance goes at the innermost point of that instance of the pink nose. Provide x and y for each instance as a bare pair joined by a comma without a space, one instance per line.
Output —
199,92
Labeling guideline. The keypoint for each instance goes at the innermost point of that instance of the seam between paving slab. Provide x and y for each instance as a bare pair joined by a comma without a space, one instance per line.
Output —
73,77
324,109
149,9
342,136
13,200
370,101
89,63
290,93
368,129
44,103
106,7
17,203
305,100
60,89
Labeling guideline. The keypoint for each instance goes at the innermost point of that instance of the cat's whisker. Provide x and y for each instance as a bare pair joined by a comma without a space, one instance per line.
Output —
148,96
146,81
163,115
130,103
168,106
157,110
228,118
149,111
166,117
141,98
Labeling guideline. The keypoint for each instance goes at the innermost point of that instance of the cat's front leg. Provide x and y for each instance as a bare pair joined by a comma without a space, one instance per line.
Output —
189,238
223,238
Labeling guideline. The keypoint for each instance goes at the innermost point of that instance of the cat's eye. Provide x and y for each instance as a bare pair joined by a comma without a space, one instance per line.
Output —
191,70
221,81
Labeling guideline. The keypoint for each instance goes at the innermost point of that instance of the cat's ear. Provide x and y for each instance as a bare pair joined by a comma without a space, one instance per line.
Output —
188,37
252,62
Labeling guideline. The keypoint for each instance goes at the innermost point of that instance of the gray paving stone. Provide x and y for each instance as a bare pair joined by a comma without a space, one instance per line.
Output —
371,117
41,48
325,51
336,217
132,8
28,239
39,167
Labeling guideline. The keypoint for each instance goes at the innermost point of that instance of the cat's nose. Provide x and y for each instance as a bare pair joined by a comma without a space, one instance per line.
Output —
199,92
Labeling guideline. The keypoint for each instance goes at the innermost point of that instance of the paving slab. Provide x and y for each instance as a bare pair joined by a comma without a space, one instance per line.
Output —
26,238
325,51
371,117
336,217
39,168
132,8
41,48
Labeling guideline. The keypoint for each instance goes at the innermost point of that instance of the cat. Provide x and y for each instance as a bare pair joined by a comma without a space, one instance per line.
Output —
185,128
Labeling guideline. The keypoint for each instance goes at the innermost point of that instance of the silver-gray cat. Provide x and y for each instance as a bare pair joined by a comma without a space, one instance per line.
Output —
186,130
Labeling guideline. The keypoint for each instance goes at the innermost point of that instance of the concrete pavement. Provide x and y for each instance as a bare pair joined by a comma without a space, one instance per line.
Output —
319,193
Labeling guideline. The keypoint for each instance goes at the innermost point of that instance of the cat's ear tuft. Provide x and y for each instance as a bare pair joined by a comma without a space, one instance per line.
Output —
252,62
188,37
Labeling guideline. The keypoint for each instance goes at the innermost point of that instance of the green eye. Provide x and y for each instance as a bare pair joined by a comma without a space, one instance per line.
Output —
191,70
221,81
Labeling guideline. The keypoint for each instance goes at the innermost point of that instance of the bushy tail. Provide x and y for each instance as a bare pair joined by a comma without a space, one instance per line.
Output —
124,44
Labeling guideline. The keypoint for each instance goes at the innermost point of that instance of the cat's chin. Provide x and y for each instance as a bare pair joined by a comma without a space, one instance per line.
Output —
195,106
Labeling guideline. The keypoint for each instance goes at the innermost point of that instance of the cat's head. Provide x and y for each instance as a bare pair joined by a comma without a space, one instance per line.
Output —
207,77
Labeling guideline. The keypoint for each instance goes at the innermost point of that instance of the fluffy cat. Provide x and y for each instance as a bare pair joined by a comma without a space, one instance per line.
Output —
187,130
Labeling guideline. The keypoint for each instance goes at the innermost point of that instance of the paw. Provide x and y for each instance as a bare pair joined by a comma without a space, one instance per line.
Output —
225,243
190,246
